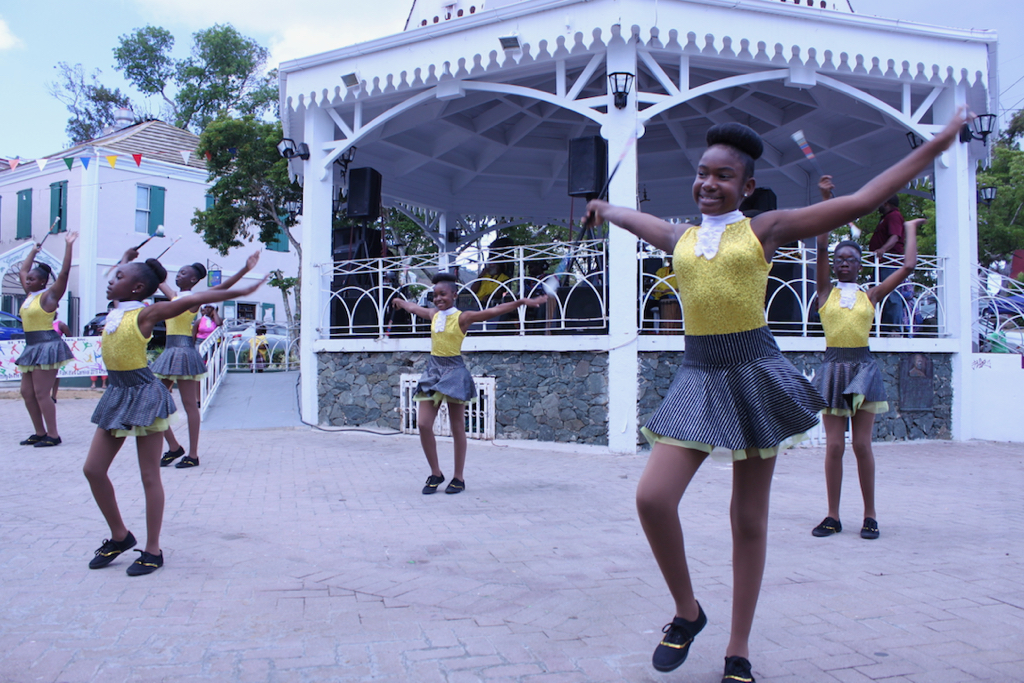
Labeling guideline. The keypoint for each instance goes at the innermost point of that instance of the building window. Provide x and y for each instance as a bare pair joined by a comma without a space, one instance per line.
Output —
210,201
59,205
281,243
149,208
24,215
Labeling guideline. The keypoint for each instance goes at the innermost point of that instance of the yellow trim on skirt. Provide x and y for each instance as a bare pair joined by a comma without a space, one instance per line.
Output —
722,454
438,398
45,366
859,404
162,424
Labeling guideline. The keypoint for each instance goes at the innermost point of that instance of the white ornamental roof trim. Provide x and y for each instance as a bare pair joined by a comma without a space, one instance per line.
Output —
360,58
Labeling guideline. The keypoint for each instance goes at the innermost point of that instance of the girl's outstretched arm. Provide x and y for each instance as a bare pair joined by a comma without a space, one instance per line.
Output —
163,310
882,290
250,263
415,309
51,297
26,265
775,228
821,271
651,229
469,317
166,290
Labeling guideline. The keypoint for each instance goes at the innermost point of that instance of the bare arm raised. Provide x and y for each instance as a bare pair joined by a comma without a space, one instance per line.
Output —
415,309
164,310
51,297
467,318
882,290
775,228
651,229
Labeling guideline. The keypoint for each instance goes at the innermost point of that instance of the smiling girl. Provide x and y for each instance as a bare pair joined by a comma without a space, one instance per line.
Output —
734,390
446,378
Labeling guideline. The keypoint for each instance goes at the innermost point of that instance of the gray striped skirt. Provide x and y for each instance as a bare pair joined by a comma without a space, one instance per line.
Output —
43,349
133,399
447,375
736,391
179,360
847,373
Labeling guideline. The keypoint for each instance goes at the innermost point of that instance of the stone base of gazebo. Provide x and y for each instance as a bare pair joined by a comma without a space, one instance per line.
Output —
563,396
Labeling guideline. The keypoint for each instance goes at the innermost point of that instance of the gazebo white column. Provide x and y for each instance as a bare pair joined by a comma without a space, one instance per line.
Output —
317,194
956,240
619,129
89,272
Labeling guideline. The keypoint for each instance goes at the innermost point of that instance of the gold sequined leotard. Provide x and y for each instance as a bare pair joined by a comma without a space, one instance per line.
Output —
449,342
34,318
725,294
181,325
125,349
846,328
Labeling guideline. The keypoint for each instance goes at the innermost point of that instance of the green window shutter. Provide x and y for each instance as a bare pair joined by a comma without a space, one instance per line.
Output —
24,215
281,243
156,208
59,205
209,202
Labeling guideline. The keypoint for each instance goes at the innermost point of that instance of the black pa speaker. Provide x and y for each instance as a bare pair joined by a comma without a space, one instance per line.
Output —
588,166
363,194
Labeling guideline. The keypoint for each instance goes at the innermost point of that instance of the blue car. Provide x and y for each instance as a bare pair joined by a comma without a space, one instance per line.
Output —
10,325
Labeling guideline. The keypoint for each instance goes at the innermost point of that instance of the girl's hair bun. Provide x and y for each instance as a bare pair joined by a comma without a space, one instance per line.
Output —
738,136
44,269
158,268
444,277
200,269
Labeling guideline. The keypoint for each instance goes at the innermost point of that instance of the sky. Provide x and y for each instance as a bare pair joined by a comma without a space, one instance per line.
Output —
35,36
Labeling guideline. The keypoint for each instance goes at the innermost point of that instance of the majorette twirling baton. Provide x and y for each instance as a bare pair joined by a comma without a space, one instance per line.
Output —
603,194
805,147
159,232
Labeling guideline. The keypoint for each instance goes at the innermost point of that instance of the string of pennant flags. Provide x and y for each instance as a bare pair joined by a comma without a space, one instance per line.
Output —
112,159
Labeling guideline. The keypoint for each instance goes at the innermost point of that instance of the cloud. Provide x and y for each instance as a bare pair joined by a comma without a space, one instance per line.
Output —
8,41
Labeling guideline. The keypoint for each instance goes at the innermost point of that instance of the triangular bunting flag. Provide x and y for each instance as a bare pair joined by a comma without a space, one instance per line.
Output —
14,162
41,163
233,151
209,157
112,159
138,159
69,162
185,156
85,162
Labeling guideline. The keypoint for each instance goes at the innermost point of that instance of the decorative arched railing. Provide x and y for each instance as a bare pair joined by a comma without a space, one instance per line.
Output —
575,277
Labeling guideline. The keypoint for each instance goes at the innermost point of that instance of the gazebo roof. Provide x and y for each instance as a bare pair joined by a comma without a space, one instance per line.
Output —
453,122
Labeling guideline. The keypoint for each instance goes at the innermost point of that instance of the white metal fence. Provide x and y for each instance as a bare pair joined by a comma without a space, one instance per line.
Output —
998,304
479,413
214,353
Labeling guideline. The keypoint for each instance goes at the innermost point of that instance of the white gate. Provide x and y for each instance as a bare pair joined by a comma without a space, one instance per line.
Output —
479,414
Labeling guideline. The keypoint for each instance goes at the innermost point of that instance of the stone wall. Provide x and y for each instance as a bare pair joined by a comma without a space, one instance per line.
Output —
557,396
563,396
658,368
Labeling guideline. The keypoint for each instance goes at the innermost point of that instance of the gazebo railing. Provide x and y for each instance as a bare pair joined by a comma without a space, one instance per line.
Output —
916,308
998,304
358,303
573,276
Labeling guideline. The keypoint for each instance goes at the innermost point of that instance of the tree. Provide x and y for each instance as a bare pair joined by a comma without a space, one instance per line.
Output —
1001,225
250,188
91,104
223,75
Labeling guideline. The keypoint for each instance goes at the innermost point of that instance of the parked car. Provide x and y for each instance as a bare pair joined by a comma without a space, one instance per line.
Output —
239,334
10,326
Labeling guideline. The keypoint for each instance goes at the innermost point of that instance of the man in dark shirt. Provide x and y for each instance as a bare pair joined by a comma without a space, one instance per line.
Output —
888,239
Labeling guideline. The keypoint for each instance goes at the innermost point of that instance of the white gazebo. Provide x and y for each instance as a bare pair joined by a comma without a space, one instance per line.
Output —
470,110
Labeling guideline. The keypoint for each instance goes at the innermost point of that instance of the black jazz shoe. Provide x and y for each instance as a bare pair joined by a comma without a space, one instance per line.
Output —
110,550
827,527
737,670
673,648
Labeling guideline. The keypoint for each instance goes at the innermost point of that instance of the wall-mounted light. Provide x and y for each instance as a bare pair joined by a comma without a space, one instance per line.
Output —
350,80
509,42
620,83
987,194
289,150
914,141
345,159
293,207
979,129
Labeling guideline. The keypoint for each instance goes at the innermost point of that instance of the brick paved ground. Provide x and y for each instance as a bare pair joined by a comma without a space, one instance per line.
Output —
300,555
